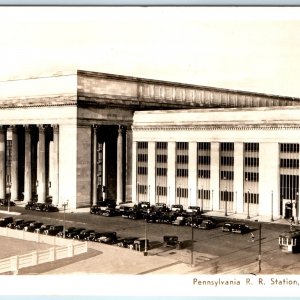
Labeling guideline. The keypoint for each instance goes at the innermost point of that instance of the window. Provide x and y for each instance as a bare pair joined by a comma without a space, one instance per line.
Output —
142,170
227,175
161,171
182,159
162,158
182,172
182,193
203,173
227,160
142,157
204,160
251,176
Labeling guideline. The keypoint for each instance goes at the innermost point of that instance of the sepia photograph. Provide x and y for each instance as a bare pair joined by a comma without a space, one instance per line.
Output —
149,141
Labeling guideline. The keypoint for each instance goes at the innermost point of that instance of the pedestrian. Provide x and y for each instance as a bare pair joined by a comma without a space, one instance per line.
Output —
252,237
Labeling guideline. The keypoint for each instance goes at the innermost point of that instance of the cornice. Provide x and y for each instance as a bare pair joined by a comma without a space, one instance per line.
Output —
217,127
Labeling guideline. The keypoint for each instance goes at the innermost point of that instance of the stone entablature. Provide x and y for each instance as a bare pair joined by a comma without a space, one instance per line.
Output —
139,92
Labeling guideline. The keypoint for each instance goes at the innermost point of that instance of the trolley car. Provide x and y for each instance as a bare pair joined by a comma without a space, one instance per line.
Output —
290,241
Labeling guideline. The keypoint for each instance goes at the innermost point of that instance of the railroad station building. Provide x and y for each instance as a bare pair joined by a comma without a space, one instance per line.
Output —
83,136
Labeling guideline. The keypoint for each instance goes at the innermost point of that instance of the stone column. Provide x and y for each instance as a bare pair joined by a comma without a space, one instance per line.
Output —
134,175
14,163
94,166
151,172
269,180
55,162
215,175
27,173
2,163
120,166
238,205
128,163
171,173
193,168
41,174
104,191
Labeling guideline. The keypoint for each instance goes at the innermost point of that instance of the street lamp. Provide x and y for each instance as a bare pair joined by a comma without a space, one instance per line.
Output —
64,205
146,246
202,199
248,201
296,206
272,206
9,195
225,196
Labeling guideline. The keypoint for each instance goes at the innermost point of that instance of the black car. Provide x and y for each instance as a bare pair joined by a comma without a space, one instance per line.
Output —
43,228
180,221
195,210
5,221
227,227
50,208
107,238
172,241
240,228
109,212
82,235
207,224
77,231
30,205
135,214
177,207
54,230
94,236
39,206
15,223
33,226
127,242
6,202
24,224
95,210
67,231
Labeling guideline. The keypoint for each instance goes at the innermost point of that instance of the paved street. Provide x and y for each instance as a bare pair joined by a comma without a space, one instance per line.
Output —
214,252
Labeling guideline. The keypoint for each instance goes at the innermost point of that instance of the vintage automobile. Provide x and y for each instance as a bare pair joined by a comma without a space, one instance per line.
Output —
144,205
24,224
195,210
43,228
82,235
140,244
68,230
135,214
5,221
50,208
124,206
172,241
76,231
109,212
93,236
207,224
127,242
177,207
6,202
53,230
30,205
15,223
107,203
240,228
95,210
180,221
32,226
107,238
227,227
39,206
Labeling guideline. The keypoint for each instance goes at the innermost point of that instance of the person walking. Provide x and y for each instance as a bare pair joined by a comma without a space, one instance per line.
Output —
252,237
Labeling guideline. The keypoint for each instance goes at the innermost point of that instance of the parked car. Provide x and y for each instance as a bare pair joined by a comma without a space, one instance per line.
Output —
196,210
227,227
136,214
180,221
30,205
177,207
126,242
68,230
39,206
240,228
124,206
5,221
13,225
140,244
172,241
207,224
161,207
94,236
24,224
107,238
109,212
82,235
107,203
50,208
54,230
43,228
70,235
94,210
33,226
144,205
4,202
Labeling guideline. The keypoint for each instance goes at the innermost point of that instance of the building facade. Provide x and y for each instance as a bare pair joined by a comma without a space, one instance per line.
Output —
85,136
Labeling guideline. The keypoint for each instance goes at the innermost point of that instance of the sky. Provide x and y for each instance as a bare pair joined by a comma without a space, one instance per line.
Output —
242,48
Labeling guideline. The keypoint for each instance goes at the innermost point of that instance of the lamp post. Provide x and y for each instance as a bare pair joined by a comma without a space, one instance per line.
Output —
296,206
146,246
64,205
192,245
9,195
225,196
212,200
202,199
272,219
248,201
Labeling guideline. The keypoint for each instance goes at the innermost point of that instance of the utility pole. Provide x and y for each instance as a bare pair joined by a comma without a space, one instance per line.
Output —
192,246
259,250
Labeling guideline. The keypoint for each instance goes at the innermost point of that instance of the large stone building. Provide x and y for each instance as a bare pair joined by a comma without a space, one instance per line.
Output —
79,137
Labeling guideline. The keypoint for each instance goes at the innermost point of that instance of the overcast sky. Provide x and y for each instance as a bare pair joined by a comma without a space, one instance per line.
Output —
252,49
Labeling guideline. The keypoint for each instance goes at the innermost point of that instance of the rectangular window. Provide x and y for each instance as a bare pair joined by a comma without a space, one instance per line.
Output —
251,176
142,157
251,147
203,160
161,171
290,148
204,146
142,189
142,170
182,146
182,159
252,161
162,145
161,190
182,193
142,145
253,198
182,173
289,163
227,147
162,158
203,173
227,175
204,194
227,160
